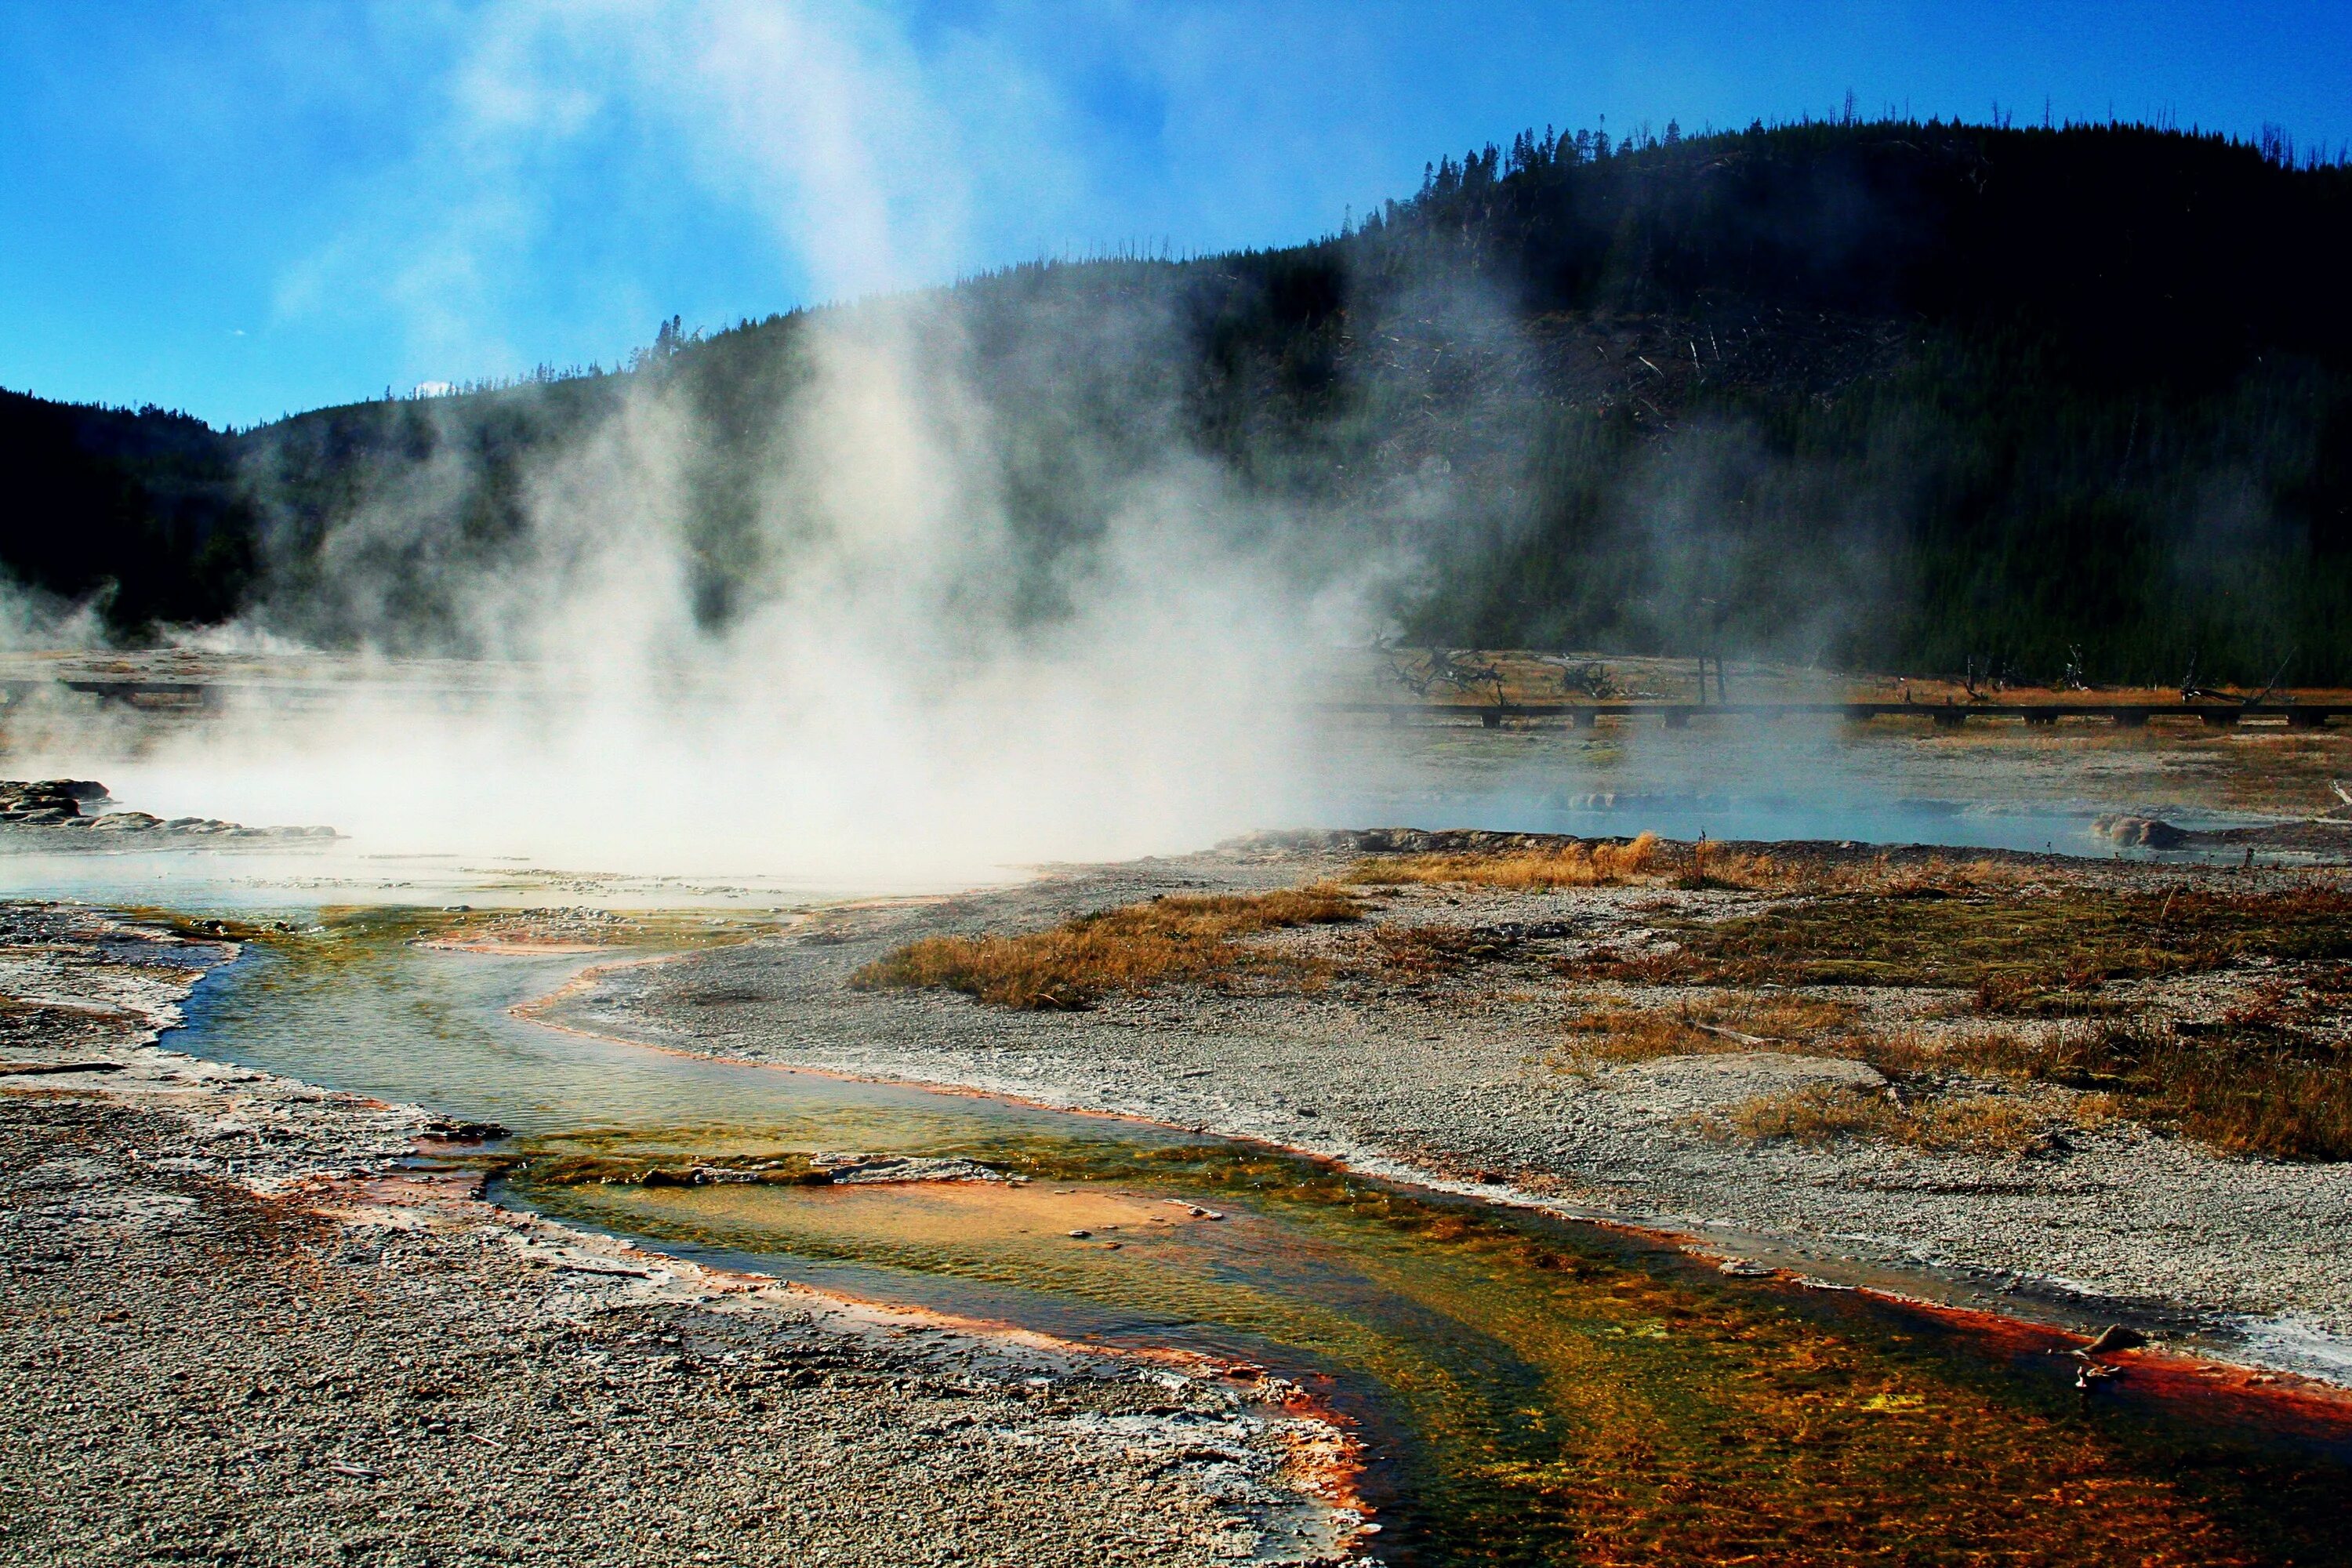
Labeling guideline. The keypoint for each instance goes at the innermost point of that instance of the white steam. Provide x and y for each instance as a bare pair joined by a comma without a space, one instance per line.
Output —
881,712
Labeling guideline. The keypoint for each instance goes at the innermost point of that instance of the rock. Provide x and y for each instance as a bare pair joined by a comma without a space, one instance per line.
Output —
1686,1086
70,802
46,802
467,1131
851,1169
2140,832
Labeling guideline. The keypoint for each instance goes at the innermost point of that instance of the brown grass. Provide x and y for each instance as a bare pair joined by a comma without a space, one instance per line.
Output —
1824,1114
1575,864
1649,861
1180,938
2007,993
1417,955
1707,865
2246,1089
2254,1087
1772,1020
2027,945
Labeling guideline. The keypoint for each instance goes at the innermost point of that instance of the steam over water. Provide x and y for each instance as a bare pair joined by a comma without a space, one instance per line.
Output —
898,687
955,586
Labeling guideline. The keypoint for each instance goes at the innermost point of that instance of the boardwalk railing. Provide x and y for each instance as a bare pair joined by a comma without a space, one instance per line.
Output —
1952,716
184,695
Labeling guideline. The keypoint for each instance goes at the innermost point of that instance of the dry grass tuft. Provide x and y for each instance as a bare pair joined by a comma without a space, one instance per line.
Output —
2033,946
1576,864
1180,938
1735,1021
2007,993
2251,1084
1710,865
1647,859
2246,1089
1417,957
1824,1114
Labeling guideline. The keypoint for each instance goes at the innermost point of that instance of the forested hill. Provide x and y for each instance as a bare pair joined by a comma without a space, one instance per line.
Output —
1886,393
143,509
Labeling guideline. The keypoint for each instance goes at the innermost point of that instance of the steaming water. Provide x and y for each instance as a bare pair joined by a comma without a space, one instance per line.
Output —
489,839
1534,1390
349,874
1794,779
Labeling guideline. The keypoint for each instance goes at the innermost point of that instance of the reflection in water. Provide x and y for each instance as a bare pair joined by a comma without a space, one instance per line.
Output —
1539,1391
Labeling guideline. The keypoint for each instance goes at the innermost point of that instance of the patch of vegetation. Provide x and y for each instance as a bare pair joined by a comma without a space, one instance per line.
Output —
1185,937
1415,955
1713,866
1648,859
1736,1021
1824,1114
1573,863
2015,947
2008,993
2244,1088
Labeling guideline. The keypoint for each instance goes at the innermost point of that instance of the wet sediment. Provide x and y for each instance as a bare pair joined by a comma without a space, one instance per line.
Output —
239,1322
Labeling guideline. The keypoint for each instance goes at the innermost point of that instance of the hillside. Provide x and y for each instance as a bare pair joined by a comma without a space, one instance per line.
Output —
1895,396
144,509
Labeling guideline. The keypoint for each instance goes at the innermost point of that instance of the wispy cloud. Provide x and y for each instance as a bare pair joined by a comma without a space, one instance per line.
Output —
856,149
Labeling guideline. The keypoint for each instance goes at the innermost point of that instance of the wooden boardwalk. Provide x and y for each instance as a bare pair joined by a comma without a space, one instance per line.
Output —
200,695
1950,716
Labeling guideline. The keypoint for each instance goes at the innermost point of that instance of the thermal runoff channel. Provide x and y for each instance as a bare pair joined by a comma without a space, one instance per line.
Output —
1640,859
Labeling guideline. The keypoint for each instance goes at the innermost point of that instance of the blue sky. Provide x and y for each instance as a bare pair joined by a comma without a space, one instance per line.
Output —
244,209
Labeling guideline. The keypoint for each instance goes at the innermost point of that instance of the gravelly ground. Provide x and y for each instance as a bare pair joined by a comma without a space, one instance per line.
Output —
233,1328
1463,1082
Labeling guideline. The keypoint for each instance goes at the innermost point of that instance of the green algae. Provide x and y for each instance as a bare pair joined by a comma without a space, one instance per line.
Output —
1554,1392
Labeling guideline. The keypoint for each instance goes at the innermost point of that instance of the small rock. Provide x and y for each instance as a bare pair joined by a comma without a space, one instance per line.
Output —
2140,832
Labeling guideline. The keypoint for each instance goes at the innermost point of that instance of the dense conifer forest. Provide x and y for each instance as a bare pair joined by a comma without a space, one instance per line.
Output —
1887,395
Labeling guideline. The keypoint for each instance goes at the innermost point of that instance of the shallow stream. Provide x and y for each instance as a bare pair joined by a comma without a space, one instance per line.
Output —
1529,1390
